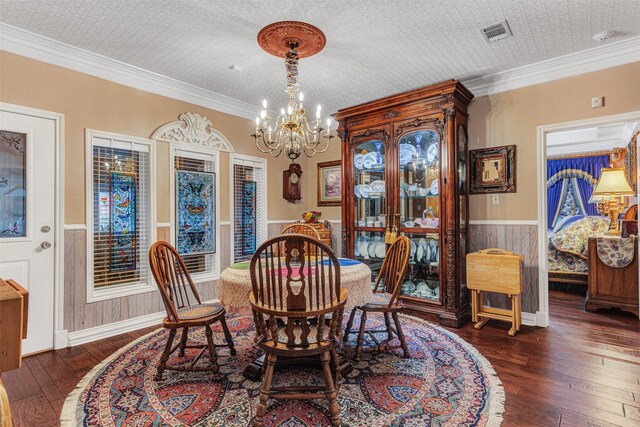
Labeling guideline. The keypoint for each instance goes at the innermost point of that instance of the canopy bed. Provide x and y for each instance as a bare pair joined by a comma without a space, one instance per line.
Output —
571,219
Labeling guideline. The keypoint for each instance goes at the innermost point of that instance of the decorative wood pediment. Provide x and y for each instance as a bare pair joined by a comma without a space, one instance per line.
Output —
194,129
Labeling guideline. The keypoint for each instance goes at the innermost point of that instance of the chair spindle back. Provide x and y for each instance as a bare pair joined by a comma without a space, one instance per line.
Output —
393,267
297,277
172,277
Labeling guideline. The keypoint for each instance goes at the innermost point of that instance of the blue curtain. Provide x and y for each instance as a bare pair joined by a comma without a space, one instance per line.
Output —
592,165
554,195
585,190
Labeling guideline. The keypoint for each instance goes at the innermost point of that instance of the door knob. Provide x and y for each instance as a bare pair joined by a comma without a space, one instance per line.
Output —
45,245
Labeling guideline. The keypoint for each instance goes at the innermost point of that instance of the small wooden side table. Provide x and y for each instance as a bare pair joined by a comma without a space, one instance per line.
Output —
496,270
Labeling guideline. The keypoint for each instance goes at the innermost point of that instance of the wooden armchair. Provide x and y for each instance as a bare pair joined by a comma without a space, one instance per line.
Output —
391,274
175,284
297,279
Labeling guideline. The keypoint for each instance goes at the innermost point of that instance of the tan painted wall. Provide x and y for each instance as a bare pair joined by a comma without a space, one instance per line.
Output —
90,102
512,118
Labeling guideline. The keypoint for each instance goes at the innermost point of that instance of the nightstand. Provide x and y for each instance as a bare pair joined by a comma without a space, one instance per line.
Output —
610,286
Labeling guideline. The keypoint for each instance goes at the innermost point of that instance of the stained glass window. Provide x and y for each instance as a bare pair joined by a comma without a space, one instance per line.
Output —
13,201
121,203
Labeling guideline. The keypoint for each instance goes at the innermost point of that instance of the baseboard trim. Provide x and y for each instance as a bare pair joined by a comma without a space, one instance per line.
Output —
542,319
60,339
84,336
529,319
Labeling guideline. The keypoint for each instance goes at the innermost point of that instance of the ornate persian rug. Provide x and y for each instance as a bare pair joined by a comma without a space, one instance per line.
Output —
445,382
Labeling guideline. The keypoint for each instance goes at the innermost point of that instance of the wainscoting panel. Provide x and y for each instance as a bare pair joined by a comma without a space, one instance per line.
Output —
79,315
521,239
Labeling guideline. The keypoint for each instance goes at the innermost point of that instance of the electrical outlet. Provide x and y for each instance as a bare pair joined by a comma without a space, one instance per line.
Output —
597,102
495,199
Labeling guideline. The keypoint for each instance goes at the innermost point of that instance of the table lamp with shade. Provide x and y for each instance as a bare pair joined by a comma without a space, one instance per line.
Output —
611,190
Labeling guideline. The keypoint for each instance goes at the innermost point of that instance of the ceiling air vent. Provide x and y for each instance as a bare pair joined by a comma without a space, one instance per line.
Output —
496,32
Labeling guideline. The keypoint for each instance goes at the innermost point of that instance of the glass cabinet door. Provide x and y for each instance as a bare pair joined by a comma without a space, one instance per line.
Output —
370,187
462,175
370,203
419,204
419,173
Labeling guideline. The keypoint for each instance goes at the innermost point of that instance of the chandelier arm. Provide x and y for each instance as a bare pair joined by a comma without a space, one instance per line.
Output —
269,147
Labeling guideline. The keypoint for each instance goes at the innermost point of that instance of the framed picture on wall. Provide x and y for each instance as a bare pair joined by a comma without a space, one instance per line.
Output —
493,170
330,183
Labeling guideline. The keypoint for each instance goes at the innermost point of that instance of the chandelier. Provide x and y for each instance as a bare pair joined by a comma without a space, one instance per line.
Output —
291,132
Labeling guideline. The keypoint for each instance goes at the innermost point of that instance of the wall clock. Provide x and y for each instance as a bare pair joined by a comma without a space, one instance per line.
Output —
291,183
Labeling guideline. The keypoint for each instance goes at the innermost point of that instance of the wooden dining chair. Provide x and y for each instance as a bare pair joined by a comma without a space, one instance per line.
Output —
185,310
391,274
301,228
301,289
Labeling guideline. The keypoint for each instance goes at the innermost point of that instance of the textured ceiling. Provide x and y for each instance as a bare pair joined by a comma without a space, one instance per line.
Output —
374,48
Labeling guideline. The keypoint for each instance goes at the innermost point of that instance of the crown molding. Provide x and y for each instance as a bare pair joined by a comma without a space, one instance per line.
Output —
34,46
581,62
44,49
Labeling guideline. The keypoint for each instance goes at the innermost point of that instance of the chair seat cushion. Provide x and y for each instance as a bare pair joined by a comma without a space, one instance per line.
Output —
199,311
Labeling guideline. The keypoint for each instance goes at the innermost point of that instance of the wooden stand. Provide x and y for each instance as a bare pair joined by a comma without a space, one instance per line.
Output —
496,270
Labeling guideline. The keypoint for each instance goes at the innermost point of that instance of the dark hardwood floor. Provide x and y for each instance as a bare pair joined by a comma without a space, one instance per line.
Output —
584,370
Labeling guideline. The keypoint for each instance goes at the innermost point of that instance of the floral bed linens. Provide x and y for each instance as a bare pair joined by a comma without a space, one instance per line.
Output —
573,238
615,251
562,262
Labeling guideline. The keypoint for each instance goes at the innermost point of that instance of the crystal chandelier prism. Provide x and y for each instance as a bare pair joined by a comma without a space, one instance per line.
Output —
292,133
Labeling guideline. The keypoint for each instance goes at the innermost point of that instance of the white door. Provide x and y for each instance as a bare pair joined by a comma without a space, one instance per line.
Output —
27,214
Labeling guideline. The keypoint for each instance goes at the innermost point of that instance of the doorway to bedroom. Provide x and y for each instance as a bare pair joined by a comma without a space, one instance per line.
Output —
591,210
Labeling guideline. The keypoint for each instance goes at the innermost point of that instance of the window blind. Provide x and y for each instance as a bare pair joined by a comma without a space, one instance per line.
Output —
121,212
248,217
196,263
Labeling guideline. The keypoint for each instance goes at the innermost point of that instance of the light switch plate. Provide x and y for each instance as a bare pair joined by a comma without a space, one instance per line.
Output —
495,199
597,102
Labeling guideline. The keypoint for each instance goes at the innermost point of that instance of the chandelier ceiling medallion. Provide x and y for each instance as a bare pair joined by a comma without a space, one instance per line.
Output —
291,132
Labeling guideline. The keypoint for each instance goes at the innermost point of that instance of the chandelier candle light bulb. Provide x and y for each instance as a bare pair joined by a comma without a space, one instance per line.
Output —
291,132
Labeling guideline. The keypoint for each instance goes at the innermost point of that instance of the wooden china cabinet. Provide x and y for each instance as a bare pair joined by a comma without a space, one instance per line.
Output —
404,165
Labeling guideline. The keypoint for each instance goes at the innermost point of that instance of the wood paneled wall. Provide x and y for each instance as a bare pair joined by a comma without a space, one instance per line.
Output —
79,315
522,239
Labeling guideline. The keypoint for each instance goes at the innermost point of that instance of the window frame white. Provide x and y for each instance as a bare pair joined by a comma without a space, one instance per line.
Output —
239,159
125,289
198,153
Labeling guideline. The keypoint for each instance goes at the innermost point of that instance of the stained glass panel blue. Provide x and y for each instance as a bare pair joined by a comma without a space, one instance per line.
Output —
13,201
195,204
123,221
248,217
